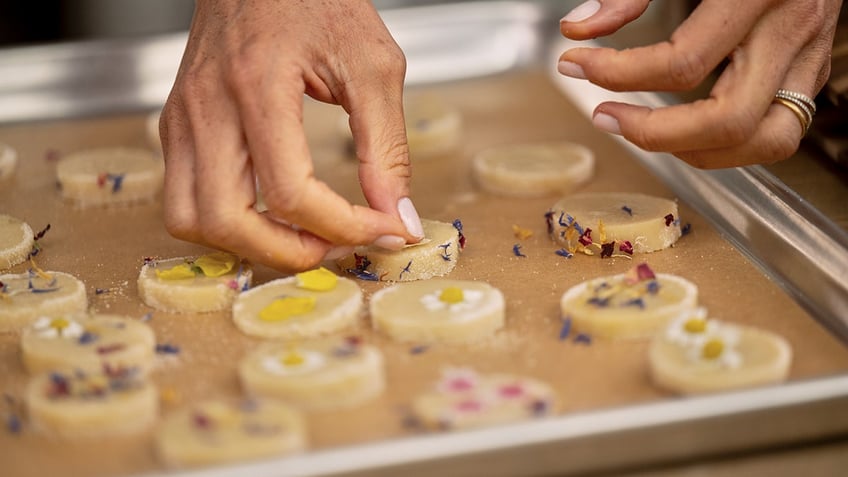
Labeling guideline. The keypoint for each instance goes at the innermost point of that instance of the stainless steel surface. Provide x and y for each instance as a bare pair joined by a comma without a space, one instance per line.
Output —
791,241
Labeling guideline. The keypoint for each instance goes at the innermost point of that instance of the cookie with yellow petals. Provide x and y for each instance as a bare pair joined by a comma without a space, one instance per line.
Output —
26,297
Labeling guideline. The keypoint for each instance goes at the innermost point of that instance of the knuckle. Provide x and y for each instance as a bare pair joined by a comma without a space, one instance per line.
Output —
217,229
179,225
687,69
391,63
284,200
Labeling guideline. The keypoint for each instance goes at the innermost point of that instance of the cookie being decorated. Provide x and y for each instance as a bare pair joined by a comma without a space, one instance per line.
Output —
194,284
79,404
464,399
219,431
90,344
438,311
435,256
636,304
696,354
329,374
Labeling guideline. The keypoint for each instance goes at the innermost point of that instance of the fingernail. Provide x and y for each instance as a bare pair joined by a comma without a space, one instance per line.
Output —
410,218
605,122
390,242
572,69
336,253
582,11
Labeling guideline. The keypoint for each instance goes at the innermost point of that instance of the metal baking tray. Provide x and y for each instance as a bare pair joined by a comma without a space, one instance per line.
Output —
793,243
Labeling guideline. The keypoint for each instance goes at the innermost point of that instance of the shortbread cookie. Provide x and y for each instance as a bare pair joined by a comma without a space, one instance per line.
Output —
700,355
612,223
110,176
78,404
464,399
438,311
8,161
221,431
16,241
435,256
308,304
91,344
329,374
25,297
194,284
636,304
533,170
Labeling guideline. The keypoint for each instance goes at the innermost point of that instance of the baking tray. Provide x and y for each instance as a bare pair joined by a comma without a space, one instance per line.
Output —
791,243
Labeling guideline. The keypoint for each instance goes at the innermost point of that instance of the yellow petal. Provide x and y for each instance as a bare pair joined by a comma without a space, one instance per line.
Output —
179,272
452,295
320,279
521,233
286,307
216,264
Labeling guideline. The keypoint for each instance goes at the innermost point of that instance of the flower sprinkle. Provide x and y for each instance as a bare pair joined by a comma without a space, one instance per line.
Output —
521,233
564,253
627,210
566,328
457,224
669,219
404,270
516,250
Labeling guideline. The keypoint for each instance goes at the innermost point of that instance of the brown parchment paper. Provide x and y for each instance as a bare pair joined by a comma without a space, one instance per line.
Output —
105,248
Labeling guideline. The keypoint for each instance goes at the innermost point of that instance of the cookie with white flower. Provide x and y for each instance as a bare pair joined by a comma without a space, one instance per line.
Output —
312,303
465,399
636,304
70,343
193,284
79,404
26,297
328,374
219,431
697,354
16,241
435,255
438,311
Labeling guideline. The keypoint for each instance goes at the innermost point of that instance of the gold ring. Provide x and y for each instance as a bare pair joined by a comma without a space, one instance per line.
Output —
800,113
803,98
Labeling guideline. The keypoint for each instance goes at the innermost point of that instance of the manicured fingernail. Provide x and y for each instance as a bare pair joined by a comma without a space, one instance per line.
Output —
572,69
336,253
605,122
410,218
582,11
390,242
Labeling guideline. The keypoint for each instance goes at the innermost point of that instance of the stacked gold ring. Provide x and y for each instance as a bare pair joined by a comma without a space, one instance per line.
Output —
800,104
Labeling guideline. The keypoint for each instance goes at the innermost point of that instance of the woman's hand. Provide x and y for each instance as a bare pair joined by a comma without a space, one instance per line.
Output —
235,116
770,44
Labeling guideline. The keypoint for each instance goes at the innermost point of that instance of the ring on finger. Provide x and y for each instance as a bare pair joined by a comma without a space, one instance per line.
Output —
801,105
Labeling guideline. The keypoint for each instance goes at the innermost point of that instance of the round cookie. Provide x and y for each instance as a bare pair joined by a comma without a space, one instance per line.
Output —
329,374
90,344
16,241
700,355
636,304
434,256
110,176
438,311
219,431
614,222
8,161
114,402
193,284
25,297
308,304
464,399
533,170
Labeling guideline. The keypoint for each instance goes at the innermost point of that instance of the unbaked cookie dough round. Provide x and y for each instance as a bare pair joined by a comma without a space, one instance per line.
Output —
25,297
8,161
220,431
79,404
610,223
636,304
16,241
90,344
434,256
464,399
308,304
110,176
533,170
700,355
194,284
438,311
328,374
